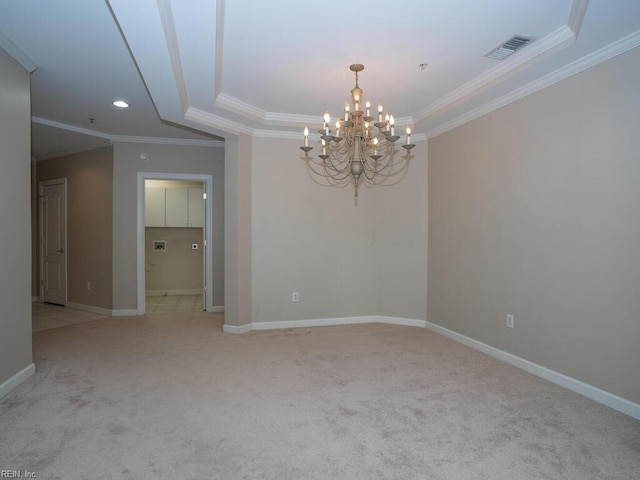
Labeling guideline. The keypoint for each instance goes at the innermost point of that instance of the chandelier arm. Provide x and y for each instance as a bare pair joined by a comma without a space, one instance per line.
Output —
347,155
330,182
338,164
400,174
311,166
324,166
387,164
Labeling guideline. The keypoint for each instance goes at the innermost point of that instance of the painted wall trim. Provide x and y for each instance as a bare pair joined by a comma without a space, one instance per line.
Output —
13,382
207,179
217,309
610,400
233,329
323,322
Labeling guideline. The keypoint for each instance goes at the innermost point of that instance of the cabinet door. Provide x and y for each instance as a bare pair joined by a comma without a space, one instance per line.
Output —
154,207
177,207
196,207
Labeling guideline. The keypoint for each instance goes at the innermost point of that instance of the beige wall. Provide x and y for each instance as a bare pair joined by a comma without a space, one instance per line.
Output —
344,260
15,218
161,159
401,242
308,238
534,211
89,222
237,230
177,268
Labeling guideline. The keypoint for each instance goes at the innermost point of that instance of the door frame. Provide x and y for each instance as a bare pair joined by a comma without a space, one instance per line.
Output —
207,180
41,185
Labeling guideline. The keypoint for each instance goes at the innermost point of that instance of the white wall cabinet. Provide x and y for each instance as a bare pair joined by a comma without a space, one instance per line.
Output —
154,200
174,207
196,207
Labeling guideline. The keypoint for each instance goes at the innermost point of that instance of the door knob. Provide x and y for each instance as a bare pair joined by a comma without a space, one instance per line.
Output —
60,250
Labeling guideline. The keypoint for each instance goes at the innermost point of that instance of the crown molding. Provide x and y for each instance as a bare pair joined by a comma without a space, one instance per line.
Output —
576,16
555,41
232,104
71,151
71,128
181,142
18,55
169,29
616,48
185,142
536,51
214,121
220,14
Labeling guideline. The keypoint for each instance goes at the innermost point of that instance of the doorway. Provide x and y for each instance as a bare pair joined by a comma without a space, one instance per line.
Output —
174,225
53,241
174,246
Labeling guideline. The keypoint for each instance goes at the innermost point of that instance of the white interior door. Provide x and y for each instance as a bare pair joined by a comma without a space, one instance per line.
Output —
53,241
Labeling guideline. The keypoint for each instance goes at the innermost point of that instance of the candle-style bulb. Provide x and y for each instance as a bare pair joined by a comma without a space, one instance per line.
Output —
326,117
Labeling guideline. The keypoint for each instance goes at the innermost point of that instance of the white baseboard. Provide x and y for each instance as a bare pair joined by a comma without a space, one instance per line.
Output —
323,322
8,385
407,322
90,308
610,400
217,309
131,312
316,322
178,291
234,329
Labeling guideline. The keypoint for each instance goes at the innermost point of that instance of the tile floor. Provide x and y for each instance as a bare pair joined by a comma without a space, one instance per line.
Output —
175,303
46,316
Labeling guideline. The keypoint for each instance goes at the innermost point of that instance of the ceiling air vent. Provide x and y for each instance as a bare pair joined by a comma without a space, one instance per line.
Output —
512,45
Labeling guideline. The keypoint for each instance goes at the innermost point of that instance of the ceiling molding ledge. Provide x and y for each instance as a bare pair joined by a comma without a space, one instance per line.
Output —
276,119
179,142
233,105
71,128
616,48
169,29
18,55
185,142
539,49
220,9
288,135
72,151
213,121
576,16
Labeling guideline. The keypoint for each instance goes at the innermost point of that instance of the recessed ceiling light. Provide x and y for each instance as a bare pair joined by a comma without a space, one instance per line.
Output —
121,104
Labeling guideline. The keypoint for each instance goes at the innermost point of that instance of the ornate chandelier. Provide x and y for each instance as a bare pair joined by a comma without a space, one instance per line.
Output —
360,150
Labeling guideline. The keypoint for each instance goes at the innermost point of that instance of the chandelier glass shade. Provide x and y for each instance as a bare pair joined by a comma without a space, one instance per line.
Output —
361,148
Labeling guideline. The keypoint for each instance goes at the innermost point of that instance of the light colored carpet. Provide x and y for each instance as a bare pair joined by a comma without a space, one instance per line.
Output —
162,397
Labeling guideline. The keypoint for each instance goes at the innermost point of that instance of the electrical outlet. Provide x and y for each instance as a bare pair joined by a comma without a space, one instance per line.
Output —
510,320
88,285
295,297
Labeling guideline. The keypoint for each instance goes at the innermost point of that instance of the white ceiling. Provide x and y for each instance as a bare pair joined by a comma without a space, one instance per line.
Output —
200,70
